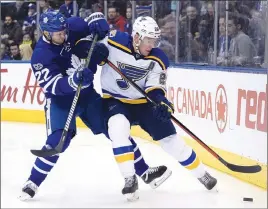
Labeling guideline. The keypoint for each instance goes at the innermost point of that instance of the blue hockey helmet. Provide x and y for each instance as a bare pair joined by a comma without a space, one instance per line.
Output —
53,22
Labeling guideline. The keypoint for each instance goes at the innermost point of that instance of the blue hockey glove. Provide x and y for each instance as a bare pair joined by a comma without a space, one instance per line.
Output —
85,75
98,25
100,54
164,109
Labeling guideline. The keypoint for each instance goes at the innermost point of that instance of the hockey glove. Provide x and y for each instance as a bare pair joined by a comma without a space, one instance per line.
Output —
100,54
98,25
85,76
164,109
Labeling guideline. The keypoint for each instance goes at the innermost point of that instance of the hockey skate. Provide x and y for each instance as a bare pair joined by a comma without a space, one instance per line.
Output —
130,188
28,191
155,176
208,181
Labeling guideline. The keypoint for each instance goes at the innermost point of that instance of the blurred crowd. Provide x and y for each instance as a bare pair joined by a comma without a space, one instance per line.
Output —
188,26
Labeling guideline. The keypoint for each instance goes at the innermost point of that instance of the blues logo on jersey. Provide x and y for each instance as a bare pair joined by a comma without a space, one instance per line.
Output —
133,72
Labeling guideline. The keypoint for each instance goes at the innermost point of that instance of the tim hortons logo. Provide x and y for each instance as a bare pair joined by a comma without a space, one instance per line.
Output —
29,93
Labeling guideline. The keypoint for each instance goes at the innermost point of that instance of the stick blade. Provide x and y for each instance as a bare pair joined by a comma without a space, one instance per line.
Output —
44,153
244,169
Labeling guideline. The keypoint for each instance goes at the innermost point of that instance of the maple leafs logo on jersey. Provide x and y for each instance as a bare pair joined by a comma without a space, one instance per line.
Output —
132,72
76,63
45,20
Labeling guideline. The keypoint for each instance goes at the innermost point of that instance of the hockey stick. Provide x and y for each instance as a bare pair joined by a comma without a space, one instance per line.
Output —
233,167
59,147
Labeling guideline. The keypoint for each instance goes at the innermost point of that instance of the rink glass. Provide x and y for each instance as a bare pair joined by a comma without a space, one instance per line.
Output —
193,32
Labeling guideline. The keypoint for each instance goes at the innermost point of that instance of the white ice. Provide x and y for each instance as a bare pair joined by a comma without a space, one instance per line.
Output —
86,175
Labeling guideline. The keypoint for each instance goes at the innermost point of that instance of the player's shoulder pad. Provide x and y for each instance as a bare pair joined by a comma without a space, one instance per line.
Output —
159,56
118,38
42,57
76,24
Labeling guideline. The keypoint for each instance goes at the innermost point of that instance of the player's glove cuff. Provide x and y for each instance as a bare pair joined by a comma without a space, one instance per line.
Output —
164,109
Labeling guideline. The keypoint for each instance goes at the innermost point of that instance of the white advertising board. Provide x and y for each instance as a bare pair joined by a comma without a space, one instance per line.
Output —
227,110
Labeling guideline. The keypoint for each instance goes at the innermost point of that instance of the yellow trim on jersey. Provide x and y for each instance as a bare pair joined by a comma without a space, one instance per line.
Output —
82,39
194,164
127,101
119,45
77,42
153,88
124,158
158,60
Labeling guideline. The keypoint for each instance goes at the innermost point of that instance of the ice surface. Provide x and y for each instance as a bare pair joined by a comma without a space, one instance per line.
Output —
86,175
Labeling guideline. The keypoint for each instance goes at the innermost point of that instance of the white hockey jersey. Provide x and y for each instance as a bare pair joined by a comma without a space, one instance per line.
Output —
147,72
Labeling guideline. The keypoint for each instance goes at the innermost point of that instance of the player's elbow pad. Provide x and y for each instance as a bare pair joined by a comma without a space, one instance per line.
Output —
63,87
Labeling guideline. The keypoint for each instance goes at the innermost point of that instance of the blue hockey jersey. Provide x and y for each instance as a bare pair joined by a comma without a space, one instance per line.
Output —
52,63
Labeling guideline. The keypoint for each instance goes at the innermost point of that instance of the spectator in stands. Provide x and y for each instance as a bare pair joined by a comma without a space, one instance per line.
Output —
201,41
168,32
12,31
144,8
196,4
210,18
242,50
256,31
27,39
34,38
68,8
115,20
97,7
4,52
128,25
22,11
188,29
29,23
14,51
168,48
26,51
222,51
191,21
9,8
162,9
121,7
168,18
45,6
89,7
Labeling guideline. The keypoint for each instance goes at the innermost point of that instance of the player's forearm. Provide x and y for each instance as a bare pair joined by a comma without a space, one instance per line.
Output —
65,86
58,85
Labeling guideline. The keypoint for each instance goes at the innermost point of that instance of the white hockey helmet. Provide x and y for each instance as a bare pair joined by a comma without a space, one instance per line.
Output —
146,27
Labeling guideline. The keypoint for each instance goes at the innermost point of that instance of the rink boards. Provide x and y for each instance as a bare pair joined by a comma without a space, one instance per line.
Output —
227,110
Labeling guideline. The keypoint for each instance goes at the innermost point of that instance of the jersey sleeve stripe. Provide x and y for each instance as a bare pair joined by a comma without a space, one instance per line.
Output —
157,60
50,82
151,88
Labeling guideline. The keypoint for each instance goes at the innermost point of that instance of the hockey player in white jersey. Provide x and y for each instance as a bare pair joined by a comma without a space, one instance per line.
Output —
138,57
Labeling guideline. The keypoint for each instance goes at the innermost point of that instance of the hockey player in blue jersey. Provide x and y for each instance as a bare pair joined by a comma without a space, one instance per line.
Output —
138,57
55,64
